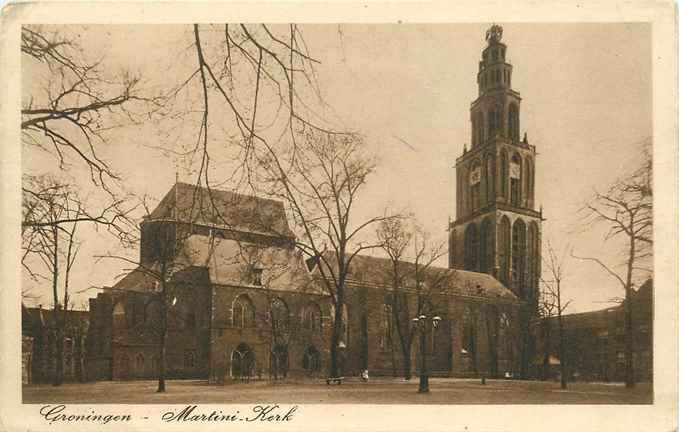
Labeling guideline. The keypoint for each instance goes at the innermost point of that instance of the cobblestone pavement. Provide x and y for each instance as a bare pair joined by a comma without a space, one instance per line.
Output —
352,391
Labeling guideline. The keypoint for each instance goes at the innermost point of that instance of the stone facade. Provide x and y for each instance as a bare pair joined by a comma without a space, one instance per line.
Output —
246,305
498,230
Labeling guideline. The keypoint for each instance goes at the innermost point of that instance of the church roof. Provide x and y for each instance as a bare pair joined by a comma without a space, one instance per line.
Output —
377,272
224,209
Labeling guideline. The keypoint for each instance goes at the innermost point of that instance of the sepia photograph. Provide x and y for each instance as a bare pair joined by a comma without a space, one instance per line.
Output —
275,215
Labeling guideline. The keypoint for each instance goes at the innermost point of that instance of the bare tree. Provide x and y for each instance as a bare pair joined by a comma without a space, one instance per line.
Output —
70,113
552,301
59,210
321,187
397,235
626,208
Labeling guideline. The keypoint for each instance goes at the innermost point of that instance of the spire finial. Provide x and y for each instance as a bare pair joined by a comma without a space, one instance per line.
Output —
176,176
494,33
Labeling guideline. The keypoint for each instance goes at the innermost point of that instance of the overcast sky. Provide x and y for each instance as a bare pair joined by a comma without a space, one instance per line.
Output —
586,106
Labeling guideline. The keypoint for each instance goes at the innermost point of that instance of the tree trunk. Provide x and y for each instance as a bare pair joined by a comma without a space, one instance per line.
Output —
59,334
629,337
163,342
335,339
546,331
562,339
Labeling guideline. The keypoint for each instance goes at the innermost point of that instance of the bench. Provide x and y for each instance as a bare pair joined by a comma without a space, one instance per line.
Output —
335,380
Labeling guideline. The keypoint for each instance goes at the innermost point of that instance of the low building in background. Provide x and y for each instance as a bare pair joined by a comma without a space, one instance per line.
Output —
595,341
38,335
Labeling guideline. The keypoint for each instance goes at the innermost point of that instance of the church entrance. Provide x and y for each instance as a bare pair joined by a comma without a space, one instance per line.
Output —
242,362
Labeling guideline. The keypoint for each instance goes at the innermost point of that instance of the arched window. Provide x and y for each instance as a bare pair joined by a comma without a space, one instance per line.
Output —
280,314
513,119
475,185
532,258
475,127
469,337
493,121
386,326
515,181
529,181
490,178
243,312
311,318
189,359
486,247
504,173
152,314
471,247
139,364
154,364
519,257
506,337
504,249
481,132
279,361
119,315
125,366
311,361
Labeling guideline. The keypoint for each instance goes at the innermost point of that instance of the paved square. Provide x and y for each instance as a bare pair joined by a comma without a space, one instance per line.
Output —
352,391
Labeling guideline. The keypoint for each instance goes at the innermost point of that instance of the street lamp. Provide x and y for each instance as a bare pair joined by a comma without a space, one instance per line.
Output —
422,323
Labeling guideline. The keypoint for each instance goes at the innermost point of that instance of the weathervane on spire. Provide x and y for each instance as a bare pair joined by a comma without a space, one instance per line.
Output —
494,33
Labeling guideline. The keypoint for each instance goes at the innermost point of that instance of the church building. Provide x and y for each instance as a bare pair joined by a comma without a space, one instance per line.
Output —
244,303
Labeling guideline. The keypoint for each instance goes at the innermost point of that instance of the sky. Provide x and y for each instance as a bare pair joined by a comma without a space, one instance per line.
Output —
586,106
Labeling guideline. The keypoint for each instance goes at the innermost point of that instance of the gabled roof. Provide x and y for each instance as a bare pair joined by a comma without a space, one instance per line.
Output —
376,272
225,209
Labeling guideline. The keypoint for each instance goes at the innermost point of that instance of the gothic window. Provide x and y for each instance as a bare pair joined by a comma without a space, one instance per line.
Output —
312,317
533,258
471,247
495,55
257,275
312,359
481,132
504,172
469,337
243,312
486,247
490,177
504,246
125,366
386,327
529,180
189,359
519,256
152,314
515,181
475,185
474,131
190,320
280,314
513,122
494,121
139,364
119,315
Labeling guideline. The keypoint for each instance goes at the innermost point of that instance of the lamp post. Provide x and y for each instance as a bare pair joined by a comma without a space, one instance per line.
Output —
422,324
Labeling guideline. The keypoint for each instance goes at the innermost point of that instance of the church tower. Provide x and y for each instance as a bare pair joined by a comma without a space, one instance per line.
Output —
497,229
